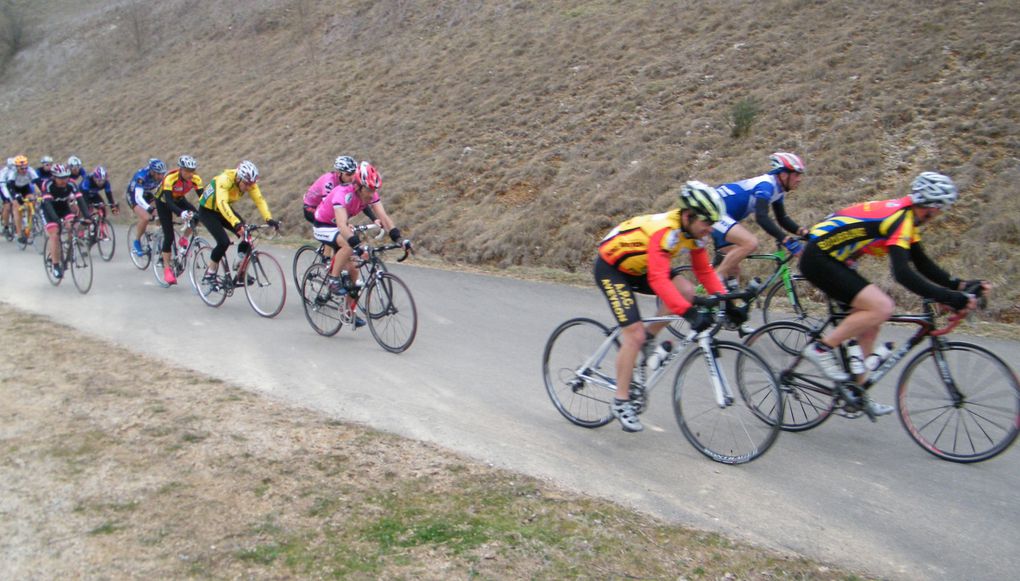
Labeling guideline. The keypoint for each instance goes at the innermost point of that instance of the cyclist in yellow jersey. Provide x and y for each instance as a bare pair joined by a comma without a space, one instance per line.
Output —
636,257
879,228
216,214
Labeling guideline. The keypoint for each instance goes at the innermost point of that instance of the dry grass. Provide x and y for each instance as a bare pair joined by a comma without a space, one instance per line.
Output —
517,133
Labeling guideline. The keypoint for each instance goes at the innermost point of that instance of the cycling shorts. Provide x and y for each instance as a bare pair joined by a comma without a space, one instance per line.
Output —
619,289
326,233
833,277
720,229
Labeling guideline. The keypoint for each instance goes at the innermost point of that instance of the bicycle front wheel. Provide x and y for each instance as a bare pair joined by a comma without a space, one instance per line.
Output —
734,427
81,266
157,264
106,239
808,399
48,264
265,285
38,232
801,302
397,322
141,261
212,293
965,411
303,258
579,386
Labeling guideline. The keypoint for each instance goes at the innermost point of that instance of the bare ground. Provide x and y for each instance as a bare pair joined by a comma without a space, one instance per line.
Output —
114,465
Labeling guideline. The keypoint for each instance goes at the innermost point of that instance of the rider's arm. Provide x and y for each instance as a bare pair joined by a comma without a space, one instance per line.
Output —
139,193
380,213
761,216
933,272
659,266
900,259
260,202
109,193
341,221
701,264
784,219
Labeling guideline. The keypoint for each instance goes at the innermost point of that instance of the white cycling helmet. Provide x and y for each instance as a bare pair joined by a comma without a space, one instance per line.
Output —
933,189
187,162
345,164
781,161
73,162
246,171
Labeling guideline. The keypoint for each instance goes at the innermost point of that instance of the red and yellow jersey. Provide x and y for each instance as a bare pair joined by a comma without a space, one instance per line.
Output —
646,245
868,228
178,186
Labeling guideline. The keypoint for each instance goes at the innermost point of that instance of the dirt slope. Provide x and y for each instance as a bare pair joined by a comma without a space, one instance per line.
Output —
516,133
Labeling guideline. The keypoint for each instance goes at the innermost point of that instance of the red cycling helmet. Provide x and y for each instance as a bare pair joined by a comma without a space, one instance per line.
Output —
367,176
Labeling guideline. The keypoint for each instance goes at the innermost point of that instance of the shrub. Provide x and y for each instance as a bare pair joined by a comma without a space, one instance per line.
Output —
742,117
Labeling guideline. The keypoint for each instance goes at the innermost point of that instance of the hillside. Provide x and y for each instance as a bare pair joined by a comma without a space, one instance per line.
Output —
517,133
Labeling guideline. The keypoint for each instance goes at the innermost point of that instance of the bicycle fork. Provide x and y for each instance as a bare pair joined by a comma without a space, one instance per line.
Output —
723,393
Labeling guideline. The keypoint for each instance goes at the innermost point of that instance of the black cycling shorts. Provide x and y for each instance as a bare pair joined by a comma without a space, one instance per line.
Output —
834,278
619,289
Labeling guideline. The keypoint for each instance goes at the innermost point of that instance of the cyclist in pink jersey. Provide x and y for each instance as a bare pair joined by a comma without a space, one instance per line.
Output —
342,174
332,223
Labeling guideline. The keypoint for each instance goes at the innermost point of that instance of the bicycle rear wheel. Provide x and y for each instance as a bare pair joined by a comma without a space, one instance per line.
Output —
322,308
212,294
393,316
265,285
802,303
743,427
106,239
141,261
80,262
808,397
981,423
573,390
303,258
48,264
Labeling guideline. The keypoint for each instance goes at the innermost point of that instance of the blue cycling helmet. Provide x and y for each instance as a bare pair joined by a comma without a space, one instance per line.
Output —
156,165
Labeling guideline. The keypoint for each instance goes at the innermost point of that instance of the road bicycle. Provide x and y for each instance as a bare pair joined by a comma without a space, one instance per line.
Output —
141,261
783,295
74,255
258,272
101,232
726,399
181,249
309,254
380,296
957,400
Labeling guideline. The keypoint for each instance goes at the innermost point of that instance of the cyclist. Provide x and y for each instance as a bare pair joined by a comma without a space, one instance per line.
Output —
43,171
94,186
171,199
636,257
886,227
756,195
342,174
8,225
19,184
216,213
141,190
332,223
77,169
61,200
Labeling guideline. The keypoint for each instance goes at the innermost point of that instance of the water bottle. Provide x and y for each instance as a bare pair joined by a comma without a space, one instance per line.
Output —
876,359
755,284
658,357
855,356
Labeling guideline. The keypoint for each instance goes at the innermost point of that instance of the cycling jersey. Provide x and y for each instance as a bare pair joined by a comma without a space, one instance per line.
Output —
78,177
93,193
343,196
645,245
17,184
223,191
44,174
740,197
142,188
868,228
56,201
320,189
178,187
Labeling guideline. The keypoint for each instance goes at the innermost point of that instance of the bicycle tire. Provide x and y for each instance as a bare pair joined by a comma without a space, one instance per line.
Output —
397,325
106,239
747,426
321,307
265,285
982,425
196,276
23,225
140,262
303,258
806,305
809,399
80,263
582,402
211,294
157,264
38,231
48,263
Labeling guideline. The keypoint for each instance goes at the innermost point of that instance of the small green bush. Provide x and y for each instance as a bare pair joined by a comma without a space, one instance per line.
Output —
742,117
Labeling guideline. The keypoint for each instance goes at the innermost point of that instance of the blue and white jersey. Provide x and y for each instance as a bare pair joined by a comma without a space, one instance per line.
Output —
92,192
740,197
142,188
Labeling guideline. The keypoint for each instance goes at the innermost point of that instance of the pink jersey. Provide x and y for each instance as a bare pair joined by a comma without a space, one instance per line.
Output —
341,196
321,188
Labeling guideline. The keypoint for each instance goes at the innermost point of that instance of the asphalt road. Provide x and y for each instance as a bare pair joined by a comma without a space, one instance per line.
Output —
850,492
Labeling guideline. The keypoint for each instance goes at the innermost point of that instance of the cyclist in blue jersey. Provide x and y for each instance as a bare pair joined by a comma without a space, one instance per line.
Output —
43,171
756,195
94,186
77,169
141,191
